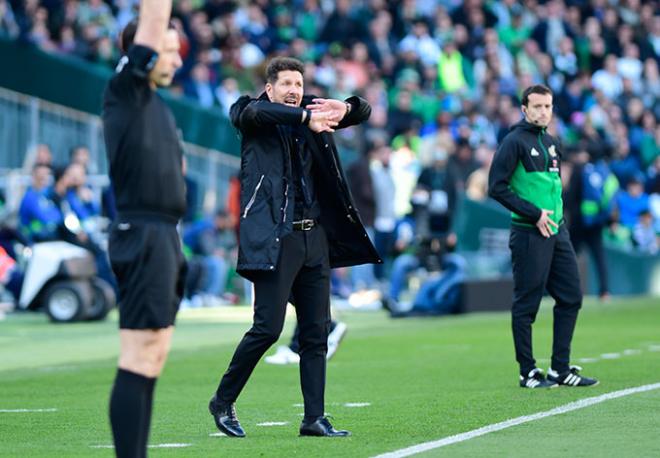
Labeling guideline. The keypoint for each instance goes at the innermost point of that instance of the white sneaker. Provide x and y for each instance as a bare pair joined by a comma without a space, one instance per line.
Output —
283,355
334,338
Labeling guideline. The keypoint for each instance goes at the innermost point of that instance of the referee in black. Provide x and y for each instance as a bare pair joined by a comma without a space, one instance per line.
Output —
297,221
525,178
145,158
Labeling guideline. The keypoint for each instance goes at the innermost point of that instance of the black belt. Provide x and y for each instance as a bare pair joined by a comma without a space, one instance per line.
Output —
304,225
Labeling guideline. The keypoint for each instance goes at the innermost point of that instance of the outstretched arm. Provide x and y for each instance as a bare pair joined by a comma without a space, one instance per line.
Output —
259,113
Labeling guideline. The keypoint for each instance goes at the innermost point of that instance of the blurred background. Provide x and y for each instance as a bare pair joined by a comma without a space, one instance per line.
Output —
444,80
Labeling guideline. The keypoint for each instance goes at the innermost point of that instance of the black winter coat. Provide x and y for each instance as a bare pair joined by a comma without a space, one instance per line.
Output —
267,189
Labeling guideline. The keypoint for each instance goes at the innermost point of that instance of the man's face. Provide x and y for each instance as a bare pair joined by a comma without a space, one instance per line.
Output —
81,156
169,60
76,175
538,110
40,177
287,89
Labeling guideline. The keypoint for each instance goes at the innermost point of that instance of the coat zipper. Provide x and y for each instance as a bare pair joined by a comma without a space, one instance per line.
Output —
547,159
286,201
254,197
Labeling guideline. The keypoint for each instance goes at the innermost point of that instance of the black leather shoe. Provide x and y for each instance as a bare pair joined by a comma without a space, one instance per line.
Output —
321,427
225,418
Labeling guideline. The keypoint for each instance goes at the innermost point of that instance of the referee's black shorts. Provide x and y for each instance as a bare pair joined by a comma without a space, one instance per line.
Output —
145,254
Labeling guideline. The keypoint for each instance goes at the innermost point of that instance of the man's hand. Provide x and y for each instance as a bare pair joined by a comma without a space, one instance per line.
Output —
322,121
337,108
152,23
545,224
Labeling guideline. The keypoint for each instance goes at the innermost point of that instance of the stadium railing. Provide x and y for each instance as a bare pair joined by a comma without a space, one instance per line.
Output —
27,121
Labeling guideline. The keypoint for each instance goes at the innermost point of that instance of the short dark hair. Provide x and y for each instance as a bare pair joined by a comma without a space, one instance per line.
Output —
280,64
536,89
75,149
59,171
127,35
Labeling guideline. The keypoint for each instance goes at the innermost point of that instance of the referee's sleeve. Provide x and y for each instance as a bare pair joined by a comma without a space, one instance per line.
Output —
499,178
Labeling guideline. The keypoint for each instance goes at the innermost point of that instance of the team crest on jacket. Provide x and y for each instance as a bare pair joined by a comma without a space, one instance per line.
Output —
555,166
552,151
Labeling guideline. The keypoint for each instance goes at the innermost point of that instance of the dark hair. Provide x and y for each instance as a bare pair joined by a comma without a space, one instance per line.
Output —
536,89
59,171
280,64
127,35
75,149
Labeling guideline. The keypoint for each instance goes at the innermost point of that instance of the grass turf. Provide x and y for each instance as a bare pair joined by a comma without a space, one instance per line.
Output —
424,379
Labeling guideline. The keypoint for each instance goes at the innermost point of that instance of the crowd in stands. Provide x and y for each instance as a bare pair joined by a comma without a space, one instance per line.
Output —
443,78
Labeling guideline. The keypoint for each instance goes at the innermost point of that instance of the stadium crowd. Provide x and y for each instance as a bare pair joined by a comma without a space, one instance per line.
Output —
443,79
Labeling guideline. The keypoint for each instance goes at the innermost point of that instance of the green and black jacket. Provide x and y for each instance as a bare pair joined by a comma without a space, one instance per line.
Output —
524,176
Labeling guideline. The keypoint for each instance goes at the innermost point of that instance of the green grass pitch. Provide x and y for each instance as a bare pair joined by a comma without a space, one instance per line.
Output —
423,379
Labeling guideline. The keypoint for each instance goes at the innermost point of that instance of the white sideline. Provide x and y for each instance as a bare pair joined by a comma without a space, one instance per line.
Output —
149,446
27,410
582,403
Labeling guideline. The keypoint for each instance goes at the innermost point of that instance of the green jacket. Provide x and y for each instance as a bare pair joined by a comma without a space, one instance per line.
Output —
524,176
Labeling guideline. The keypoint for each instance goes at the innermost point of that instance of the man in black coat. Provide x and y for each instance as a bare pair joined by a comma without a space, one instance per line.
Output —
297,221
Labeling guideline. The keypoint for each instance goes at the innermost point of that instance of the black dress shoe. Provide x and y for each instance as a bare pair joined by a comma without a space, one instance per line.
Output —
321,427
225,418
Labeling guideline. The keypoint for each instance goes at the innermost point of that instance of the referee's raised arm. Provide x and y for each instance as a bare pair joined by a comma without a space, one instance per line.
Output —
152,22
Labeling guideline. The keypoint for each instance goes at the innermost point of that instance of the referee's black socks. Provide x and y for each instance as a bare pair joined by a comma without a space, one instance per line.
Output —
130,413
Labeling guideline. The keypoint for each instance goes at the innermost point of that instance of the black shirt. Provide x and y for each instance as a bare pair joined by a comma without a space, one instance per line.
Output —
143,148
306,205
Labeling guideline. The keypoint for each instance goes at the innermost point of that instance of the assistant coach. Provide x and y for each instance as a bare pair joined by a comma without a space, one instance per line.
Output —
525,178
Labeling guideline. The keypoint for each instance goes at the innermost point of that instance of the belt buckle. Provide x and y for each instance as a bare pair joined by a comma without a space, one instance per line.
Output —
307,224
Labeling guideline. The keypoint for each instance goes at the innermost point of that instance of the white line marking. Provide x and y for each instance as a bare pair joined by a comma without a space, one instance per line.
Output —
654,347
217,435
298,405
169,445
631,352
582,403
150,446
273,423
58,369
611,355
27,410
588,360
357,404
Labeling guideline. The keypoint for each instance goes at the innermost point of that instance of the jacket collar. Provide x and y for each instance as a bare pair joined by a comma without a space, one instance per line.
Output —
524,125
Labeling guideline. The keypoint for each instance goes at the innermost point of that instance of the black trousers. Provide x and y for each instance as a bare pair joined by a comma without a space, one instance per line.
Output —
303,273
541,264
593,238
